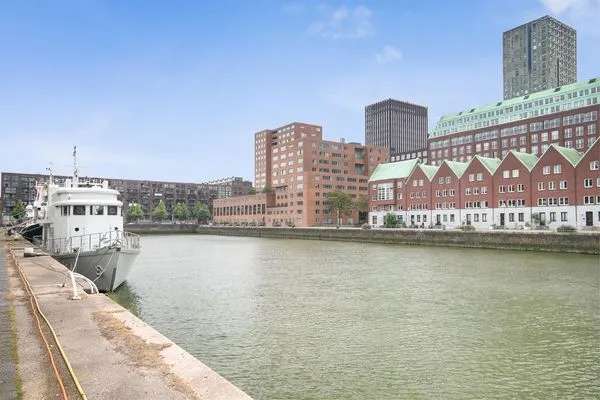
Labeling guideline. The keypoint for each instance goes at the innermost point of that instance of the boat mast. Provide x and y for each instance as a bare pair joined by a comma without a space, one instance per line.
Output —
75,167
50,172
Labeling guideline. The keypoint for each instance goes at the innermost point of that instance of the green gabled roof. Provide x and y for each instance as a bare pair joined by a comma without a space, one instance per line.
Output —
528,159
490,163
428,170
395,170
570,154
589,149
457,167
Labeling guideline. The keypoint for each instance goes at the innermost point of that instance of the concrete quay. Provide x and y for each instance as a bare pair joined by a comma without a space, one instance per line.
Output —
547,241
113,354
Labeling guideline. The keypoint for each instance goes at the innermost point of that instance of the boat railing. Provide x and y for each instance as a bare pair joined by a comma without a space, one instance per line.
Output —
92,242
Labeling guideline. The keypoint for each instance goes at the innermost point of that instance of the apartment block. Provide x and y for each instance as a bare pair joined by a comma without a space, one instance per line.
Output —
566,116
519,191
21,186
538,55
300,168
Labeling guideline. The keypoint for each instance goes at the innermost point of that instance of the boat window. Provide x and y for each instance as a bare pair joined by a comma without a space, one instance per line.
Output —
112,210
97,210
78,210
64,210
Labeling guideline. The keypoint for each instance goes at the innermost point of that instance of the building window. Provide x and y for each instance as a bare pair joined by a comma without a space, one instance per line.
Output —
551,185
587,183
520,187
506,174
96,210
552,216
557,168
471,177
521,217
78,210
594,165
563,216
479,176
546,170
541,186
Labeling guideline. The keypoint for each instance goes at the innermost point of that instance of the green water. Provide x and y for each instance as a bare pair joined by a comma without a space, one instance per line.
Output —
295,319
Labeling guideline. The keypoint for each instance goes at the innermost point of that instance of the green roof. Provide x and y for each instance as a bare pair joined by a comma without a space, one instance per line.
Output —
457,167
528,159
561,98
429,170
490,163
570,154
395,170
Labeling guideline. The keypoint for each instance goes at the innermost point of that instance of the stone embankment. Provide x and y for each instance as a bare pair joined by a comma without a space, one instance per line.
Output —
577,242
112,353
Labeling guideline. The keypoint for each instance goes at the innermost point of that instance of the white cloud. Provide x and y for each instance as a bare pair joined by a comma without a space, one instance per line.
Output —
344,23
388,54
571,6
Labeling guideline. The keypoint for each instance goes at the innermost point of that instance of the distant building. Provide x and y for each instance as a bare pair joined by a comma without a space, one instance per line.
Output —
398,126
21,186
538,55
297,169
566,116
230,187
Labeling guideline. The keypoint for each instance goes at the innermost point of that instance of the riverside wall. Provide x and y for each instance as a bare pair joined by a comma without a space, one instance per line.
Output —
577,242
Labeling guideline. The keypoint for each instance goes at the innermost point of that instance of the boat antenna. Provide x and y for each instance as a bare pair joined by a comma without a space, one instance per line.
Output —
75,167
51,173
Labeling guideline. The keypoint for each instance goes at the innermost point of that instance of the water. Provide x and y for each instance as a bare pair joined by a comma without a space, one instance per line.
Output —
296,319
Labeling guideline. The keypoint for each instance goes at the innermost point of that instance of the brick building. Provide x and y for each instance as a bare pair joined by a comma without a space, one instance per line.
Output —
566,116
299,168
561,187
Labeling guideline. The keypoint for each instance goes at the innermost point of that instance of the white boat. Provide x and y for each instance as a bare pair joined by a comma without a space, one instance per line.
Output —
82,227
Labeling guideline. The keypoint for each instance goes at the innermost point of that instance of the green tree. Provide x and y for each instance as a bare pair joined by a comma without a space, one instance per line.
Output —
390,220
341,203
267,189
361,204
18,210
181,211
135,212
160,211
252,191
201,212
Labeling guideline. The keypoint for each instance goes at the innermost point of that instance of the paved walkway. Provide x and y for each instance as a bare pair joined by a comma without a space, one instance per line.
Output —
8,374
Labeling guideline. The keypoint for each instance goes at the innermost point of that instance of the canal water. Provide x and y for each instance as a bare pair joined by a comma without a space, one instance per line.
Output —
300,319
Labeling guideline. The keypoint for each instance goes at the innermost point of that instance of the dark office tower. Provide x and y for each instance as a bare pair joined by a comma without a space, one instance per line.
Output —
538,55
399,126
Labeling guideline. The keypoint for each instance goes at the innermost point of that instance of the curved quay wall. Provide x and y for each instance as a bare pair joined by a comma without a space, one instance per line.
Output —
581,242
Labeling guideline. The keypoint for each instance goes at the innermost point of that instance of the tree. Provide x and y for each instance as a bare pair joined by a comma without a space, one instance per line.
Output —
341,203
18,211
390,220
267,189
252,191
181,211
201,212
160,211
135,212
361,204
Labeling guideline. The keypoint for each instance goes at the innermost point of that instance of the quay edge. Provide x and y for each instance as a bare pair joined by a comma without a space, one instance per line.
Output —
576,242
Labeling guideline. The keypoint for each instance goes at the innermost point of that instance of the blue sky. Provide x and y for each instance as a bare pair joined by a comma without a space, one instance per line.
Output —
175,90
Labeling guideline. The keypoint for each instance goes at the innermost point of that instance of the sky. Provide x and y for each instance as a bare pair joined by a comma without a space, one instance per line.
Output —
175,90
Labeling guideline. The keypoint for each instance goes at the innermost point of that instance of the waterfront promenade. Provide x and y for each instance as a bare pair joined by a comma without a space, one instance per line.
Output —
113,354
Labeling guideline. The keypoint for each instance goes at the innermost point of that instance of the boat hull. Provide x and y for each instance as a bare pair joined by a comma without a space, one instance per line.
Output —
107,267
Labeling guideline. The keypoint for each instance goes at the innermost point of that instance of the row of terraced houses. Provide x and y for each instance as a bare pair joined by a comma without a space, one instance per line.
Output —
561,187
527,161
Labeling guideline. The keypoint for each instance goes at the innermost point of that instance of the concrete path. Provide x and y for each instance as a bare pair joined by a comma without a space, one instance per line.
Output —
114,354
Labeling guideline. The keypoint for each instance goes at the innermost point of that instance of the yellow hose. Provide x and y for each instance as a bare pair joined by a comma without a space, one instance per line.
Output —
62,352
